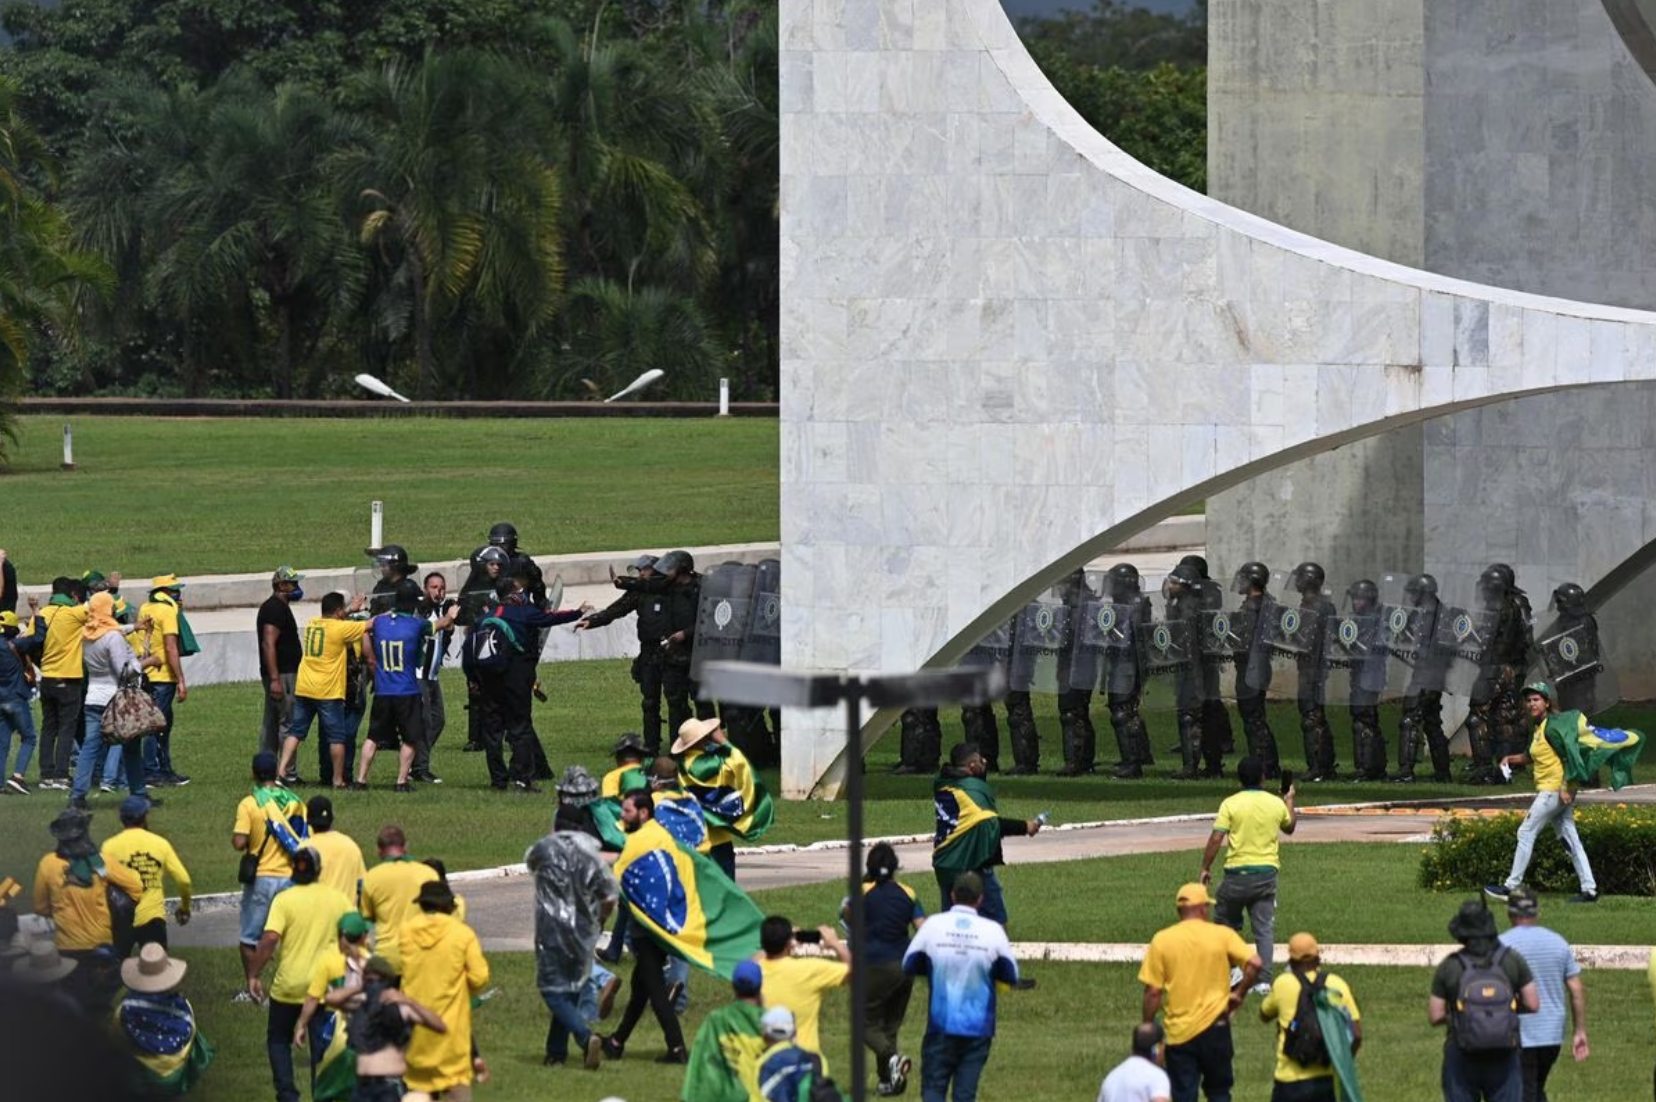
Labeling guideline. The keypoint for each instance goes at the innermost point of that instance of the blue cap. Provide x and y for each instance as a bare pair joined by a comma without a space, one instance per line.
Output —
133,809
747,978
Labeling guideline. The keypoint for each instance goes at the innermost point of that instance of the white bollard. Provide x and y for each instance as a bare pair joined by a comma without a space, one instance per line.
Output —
724,397
376,525
68,448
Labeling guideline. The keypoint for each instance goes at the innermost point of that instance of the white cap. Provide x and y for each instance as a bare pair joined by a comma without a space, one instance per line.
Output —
777,1024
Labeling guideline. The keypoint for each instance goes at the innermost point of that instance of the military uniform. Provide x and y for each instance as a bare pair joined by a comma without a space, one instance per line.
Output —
1423,696
1199,753
648,666
1494,722
1312,667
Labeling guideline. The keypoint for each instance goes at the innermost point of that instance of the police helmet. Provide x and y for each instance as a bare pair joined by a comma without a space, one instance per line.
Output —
1308,577
1251,575
492,554
1570,599
1363,590
1123,580
504,535
1501,572
392,554
1421,586
1198,563
1184,574
676,562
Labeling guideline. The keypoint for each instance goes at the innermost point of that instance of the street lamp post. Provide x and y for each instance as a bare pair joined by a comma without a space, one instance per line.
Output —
758,685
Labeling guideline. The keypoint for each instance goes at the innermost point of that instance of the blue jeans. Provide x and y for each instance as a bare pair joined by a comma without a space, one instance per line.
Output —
591,990
993,903
1548,808
1204,1062
1481,1078
92,748
944,1057
567,1021
17,717
158,750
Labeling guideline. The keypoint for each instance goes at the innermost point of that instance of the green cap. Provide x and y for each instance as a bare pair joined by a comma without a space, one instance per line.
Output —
1540,688
353,926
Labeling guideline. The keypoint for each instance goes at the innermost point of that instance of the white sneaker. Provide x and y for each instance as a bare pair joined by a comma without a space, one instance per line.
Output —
897,1072
16,783
1261,989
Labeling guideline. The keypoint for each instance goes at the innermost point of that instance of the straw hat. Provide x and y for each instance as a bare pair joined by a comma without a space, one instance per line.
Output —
44,964
152,971
692,732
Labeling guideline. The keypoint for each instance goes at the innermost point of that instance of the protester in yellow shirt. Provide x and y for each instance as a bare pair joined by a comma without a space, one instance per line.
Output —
302,927
799,983
152,857
1280,1006
1247,825
61,687
342,864
71,888
389,889
251,835
629,754
1187,978
169,640
442,967
338,968
319,692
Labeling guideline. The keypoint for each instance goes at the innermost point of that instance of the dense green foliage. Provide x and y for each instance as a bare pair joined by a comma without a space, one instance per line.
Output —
1471,852
490,198
1140,79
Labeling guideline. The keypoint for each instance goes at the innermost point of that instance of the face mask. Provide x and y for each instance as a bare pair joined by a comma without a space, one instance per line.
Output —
297,595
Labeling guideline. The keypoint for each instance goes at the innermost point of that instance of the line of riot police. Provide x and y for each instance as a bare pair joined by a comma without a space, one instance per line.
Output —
1392,636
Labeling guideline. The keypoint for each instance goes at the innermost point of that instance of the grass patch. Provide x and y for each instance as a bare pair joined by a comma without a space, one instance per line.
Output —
207,495
470,826
1042,1050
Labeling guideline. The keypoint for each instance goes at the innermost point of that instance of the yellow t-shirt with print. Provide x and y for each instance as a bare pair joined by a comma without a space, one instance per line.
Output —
1250,820
322,658
163,617
307,918
150,856
1281,1005
1190,963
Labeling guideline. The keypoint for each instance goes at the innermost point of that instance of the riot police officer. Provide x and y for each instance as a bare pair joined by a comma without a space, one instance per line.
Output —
1307,580
1199,753
1494,720
504,535
1080,738
1216,722
1366,660
1123,672
1423,696
681,586
649,603
1577,691
921,745
1253,664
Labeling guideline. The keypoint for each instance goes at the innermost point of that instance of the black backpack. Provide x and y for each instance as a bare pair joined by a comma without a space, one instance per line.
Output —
1302,1040
491,643
1485,1013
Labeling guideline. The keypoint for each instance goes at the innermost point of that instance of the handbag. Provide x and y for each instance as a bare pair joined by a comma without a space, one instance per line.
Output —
131,714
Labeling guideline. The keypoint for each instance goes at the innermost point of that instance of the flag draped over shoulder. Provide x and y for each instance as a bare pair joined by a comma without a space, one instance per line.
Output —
1586,749
724,1061
968,828
336,1068
723,781
1336,1031
161,1032
686,902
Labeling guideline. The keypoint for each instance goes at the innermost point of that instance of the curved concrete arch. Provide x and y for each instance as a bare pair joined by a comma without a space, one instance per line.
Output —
1007,345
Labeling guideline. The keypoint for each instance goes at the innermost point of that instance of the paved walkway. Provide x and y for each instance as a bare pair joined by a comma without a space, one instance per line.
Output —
499,902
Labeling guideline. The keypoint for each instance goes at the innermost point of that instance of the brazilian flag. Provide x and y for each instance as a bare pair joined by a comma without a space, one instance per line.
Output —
721,779
1587,749
685,900
968,827
335,1079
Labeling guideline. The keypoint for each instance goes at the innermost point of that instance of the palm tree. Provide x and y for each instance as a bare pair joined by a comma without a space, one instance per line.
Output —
460,209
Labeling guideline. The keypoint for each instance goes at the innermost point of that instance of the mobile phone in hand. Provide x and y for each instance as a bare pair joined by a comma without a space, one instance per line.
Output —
1287,780
808,937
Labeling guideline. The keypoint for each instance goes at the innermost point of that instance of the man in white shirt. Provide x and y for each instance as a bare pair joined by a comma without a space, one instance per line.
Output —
1140,1077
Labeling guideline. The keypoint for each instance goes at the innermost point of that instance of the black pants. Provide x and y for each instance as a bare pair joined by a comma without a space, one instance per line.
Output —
1535,1064
507,723
60,725
680,690
153,932
1203,1064
649,986
886,1007
279,1047
1305,1090
647,671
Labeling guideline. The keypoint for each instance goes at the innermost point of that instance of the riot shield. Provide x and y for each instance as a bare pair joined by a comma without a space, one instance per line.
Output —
1106,655
1356,645
722,617
1288,635
1041,633
1574,661
764,635
363,581
1464,637
1409,634
1168,650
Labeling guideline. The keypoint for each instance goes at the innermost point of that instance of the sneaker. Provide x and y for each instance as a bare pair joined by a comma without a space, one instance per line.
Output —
897,1072
1583,897
594,1053
403,787
527,788
673,1056
177,780
16,783
429,778
606,997
1497,891
553,1062
612,1049
79,803
106,787
243,996
1261,989
1025,983
53,784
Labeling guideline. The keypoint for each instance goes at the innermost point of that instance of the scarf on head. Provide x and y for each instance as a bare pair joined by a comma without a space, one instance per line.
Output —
75,845
102,620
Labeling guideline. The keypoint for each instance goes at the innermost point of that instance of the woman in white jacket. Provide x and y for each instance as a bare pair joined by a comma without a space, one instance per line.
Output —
109,662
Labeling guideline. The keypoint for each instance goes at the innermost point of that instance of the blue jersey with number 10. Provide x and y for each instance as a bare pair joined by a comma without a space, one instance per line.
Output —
399,639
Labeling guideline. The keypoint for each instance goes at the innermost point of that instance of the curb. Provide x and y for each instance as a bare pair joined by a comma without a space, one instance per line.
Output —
1614,957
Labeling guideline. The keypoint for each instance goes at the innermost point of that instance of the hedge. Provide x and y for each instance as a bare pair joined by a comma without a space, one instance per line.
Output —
1473,851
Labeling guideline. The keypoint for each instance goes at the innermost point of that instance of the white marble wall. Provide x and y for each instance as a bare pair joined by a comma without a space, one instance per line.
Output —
1007,345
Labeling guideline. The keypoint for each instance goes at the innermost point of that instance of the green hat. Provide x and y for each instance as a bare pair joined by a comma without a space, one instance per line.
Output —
1539,688
377,965
353,926
286,573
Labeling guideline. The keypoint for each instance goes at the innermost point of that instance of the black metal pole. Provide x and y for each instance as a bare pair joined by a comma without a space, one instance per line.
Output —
853,886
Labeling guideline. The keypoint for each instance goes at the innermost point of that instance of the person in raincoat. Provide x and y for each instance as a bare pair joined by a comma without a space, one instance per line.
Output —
575,891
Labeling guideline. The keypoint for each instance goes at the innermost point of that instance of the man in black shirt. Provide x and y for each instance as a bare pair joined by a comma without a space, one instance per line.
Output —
278,641
651,608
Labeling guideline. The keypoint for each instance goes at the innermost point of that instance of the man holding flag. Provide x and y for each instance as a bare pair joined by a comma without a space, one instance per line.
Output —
682,904
1565,751
969,830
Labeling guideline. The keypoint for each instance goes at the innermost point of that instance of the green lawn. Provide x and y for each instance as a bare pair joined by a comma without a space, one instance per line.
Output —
1053,1044
205,495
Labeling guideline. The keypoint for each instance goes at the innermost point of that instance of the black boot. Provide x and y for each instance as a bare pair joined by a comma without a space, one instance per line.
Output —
1190,745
